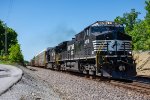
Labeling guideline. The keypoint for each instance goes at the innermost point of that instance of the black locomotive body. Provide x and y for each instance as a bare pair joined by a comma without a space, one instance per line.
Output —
102,48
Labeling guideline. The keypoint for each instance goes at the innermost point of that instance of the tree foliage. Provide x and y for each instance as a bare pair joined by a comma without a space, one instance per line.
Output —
141,31
15,54
14,51
128,19
11,37
138,29
2,31
147,8
141,37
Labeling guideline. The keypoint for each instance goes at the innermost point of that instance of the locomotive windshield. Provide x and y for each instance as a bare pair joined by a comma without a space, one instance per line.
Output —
95,29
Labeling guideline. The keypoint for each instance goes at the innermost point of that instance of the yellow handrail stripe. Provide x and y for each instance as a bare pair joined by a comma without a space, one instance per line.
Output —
98,52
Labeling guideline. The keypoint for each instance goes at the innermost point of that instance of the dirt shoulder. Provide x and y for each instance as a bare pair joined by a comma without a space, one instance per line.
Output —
143,62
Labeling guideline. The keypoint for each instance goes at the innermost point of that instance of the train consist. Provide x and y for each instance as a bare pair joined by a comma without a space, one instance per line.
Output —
101,49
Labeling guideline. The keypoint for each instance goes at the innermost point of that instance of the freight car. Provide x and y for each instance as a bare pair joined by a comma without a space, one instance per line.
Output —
32,62
40,59
103,48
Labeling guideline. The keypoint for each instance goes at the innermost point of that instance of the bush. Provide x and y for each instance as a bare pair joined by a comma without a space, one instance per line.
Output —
4,58
15,54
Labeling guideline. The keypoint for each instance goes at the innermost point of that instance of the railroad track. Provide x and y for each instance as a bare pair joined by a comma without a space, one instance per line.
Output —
139,83
138,86
145,79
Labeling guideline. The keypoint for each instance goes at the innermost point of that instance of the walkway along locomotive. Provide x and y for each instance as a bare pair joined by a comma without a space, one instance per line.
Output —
101,49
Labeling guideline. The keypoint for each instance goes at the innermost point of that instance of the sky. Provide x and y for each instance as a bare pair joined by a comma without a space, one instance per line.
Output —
45,23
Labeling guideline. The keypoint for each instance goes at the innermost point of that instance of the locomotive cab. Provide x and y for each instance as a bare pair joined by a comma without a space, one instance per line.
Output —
113,50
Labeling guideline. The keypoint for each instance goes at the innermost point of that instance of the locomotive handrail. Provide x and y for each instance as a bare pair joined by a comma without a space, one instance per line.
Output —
101,47
57,59
98,52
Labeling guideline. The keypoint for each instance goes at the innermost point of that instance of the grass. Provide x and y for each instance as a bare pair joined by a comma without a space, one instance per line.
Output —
7,62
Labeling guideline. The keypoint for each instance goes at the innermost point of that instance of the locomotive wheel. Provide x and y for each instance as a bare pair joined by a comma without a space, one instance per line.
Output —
81,68
87,74
101,73
46,65
58,67
94,75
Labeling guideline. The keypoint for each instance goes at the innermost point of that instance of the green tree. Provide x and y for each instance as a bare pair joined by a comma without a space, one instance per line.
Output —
147,17
128,20
2,31
15,54
140,36
138,29
141,31
11,37
147,7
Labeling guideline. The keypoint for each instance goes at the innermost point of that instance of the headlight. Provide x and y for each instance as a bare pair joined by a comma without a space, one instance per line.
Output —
130,52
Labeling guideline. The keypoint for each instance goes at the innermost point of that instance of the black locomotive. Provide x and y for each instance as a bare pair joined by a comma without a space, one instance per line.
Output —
101,49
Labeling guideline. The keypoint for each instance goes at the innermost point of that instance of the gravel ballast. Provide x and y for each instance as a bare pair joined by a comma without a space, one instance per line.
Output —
44,84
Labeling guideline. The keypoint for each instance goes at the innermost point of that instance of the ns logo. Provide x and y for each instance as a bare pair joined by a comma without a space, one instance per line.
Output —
114,44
